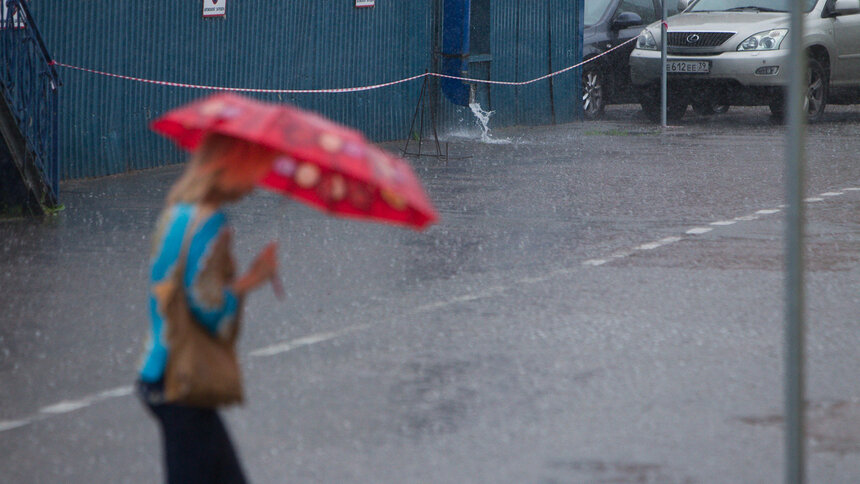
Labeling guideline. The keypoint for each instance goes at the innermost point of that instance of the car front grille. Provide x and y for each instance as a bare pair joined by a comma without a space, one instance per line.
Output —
698,39
695,53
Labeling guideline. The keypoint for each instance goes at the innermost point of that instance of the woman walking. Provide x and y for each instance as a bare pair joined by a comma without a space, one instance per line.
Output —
193,234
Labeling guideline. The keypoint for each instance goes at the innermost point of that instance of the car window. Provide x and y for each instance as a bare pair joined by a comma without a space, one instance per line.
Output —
594,10
764,5
671,8
645,9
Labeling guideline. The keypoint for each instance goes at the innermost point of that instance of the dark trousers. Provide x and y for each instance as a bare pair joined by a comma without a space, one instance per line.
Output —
197,448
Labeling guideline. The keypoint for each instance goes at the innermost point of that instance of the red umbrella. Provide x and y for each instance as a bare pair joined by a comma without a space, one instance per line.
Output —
326,165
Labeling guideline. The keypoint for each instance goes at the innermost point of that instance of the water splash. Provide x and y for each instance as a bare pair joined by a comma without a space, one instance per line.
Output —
483,120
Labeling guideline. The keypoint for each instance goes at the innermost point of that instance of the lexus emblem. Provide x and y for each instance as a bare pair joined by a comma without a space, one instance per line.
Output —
693,38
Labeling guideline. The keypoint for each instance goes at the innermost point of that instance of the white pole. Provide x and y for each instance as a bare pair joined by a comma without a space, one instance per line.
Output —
794,292
664,92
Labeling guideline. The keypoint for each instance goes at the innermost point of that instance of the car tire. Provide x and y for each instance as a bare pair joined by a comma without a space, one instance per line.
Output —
777,110
593,93
817,89
650,101
709,108
721,108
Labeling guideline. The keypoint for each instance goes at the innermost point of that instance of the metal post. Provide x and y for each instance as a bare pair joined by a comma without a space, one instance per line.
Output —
55,128
664,91
794,291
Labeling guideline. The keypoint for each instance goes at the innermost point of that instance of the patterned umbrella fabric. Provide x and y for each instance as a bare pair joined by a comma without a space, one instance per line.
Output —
325,164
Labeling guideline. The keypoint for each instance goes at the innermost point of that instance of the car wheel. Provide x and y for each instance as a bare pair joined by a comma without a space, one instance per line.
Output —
704,108
650,101
814,102
777,110
816,91
593,93
709,107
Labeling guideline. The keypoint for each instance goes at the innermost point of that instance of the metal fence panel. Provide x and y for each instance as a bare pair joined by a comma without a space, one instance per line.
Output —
531,38
304,44
259,44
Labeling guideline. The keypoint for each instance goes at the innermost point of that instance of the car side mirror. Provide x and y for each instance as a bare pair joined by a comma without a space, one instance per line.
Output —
630,19
683,4
846,7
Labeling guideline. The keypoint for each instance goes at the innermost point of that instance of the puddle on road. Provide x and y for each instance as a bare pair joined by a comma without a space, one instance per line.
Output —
433,398
830,426
745,253
603,471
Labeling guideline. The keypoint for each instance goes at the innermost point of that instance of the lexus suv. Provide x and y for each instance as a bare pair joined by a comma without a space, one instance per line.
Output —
735,52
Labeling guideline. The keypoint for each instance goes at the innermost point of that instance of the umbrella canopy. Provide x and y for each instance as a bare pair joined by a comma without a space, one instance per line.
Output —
325,164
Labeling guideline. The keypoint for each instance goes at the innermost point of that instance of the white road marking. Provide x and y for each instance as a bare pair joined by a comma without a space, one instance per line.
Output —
290,345
12,424
489,292
67,406
671,240
312,339
659,243
703,230
283,347
534,280
649,246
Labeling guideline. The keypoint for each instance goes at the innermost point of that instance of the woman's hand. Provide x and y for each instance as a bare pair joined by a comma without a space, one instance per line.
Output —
263,268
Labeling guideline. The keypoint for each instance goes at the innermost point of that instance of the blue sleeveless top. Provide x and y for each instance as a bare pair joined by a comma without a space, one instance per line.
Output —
214,311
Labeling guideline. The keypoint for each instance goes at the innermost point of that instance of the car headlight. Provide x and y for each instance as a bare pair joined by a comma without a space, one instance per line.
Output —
767,40
646,41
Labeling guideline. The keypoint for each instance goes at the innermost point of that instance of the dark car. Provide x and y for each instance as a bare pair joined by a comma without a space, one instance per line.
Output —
609,23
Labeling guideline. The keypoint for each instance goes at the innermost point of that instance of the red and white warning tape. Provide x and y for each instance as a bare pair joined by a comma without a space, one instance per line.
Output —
551,74
336,90
239,89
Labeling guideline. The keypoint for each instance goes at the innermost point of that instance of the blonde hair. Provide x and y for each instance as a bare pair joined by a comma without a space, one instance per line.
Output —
215,170
219,164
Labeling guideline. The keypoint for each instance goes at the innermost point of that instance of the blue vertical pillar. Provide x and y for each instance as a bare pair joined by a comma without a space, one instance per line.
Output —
455,49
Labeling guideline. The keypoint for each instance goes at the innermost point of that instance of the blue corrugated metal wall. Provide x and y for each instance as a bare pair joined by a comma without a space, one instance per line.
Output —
302,44
262,44
530,38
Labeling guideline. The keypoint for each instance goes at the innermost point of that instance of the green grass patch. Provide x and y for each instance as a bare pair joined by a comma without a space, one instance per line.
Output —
54,210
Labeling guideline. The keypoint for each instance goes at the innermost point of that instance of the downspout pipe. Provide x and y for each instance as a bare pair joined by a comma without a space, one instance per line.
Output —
455,50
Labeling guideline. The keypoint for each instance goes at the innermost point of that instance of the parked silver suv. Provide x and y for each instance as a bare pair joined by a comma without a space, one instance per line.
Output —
735,52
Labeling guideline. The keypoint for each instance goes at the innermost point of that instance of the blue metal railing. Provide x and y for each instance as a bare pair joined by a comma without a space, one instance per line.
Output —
29,82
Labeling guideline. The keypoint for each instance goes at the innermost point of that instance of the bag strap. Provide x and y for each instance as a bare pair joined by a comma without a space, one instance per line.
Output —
182,259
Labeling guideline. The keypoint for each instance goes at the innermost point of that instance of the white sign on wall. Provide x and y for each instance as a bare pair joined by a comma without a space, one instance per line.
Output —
214,8
365,3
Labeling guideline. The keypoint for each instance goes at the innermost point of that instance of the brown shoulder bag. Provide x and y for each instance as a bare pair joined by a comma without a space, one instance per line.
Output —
202,368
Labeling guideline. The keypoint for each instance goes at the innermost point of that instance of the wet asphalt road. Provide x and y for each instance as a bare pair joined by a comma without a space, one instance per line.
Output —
602,302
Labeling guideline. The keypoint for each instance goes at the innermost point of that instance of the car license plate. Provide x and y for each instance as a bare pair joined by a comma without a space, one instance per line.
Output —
688,67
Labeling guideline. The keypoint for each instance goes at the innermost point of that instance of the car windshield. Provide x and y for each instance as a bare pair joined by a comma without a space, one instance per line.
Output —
594,10
747,5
